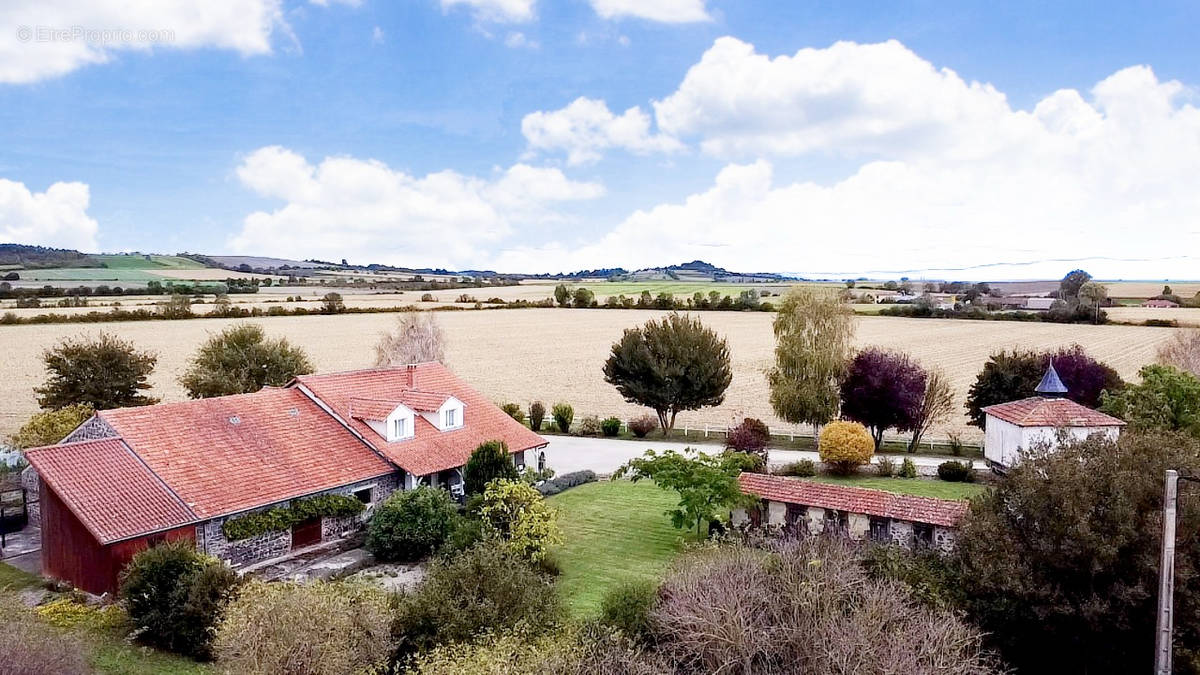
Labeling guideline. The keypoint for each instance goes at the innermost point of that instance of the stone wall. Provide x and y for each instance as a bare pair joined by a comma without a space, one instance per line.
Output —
858,526
210,540
90,430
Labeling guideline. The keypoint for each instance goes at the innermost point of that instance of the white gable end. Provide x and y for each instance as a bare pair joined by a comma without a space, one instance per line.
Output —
448,417
399,425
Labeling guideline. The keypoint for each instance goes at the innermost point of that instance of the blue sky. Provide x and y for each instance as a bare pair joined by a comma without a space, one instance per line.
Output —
818,138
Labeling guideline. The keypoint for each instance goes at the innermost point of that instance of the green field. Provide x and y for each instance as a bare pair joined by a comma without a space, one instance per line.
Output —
680,288
90,274
920,487
614,531
155,262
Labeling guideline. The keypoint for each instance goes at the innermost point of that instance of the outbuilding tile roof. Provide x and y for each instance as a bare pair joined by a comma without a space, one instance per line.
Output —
429,450
1038,411
109,489
944,512
232,453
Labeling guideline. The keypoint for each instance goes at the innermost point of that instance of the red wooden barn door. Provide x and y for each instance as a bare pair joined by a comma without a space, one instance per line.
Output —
306,533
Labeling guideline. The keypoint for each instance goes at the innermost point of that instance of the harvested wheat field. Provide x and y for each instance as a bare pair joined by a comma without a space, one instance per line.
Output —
556,354
1184,316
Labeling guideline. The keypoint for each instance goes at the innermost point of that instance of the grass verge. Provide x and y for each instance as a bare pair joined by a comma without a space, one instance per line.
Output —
920,487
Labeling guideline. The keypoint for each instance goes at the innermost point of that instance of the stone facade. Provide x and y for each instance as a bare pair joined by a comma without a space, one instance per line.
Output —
90,430
210,539
813,521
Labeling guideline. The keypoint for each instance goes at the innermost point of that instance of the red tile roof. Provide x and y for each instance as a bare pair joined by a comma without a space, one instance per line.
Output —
372,410
1039,411
227,454
109,489
429,450
423,401
944,512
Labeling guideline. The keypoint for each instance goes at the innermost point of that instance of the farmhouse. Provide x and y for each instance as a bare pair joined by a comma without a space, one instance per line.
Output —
798,506
1042,421
1159,303
316,456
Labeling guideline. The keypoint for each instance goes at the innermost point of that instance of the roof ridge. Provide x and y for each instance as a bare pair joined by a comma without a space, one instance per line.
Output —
849,488
373,369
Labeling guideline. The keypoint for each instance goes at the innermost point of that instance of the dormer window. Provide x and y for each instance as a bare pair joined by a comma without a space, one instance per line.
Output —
400,427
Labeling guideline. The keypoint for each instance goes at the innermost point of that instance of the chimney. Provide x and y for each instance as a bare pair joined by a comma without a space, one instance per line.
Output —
410,372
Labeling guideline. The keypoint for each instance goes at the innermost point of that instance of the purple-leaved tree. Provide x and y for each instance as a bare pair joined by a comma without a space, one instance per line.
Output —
882,390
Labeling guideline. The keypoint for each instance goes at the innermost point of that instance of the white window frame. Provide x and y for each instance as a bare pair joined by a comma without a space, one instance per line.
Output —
399,428
451,422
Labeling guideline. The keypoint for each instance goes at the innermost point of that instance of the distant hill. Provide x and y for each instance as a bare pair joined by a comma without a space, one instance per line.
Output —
41,257
698,270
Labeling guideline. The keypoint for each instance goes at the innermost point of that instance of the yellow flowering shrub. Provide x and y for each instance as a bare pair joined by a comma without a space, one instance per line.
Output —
845,446
69,613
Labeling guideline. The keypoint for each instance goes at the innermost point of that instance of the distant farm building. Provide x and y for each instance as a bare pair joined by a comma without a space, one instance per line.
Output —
1040,422
1159,303
803,507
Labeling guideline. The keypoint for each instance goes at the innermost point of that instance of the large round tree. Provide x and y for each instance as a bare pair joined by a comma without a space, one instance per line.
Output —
883,389
102,372
670,365
241,359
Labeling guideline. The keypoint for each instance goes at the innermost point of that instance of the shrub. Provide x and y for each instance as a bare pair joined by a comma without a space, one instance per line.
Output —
610,426
428,297
320,628
489,462
531,476
956,472
51,426
517,514
537,413
845,446
956,444
67,612
514,411
584,651
563,415
484,588
29,647
284,517
466,530
805,468
411,524
626,607
589,426
908,468
241,359
808,606
103,372
640,426
174,596
566,481
750,462
751,435
885,466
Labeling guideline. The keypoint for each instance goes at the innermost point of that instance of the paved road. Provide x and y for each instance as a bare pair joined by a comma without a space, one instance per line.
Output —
604,455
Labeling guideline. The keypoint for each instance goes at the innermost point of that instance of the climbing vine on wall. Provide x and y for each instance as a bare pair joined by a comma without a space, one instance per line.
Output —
284,517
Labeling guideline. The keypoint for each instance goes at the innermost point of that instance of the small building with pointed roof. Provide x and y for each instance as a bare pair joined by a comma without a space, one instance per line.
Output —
1041,421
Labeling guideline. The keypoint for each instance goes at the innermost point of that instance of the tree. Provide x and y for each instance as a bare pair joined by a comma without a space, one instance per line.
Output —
813,336
104,372
331,303
490,461
707,484
670,365
1182,351
1059,563
583,297
417,338
51,426
750,436
178,306
1093,295
517,514
883,389
845,446
936,403
241,360
562,295
1167,399
1068,288
410,524
1009,376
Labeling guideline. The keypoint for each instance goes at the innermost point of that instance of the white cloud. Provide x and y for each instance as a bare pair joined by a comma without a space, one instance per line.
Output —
377,35
57,217
847,99
517,40
587,127
363,209
665,11
951,176
501,11
41,39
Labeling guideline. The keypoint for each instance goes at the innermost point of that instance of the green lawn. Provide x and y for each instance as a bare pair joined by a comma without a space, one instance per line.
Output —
110,652
921,487
614,530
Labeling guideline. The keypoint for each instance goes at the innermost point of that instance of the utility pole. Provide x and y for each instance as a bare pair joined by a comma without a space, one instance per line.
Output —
1166,577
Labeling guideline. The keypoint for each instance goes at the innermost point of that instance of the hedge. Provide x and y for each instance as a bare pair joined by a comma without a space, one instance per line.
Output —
284,517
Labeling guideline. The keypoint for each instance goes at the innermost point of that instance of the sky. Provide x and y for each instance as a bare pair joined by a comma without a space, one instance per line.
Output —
975,140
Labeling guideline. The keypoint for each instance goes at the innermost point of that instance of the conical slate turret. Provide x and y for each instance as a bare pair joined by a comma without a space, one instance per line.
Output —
1051,386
